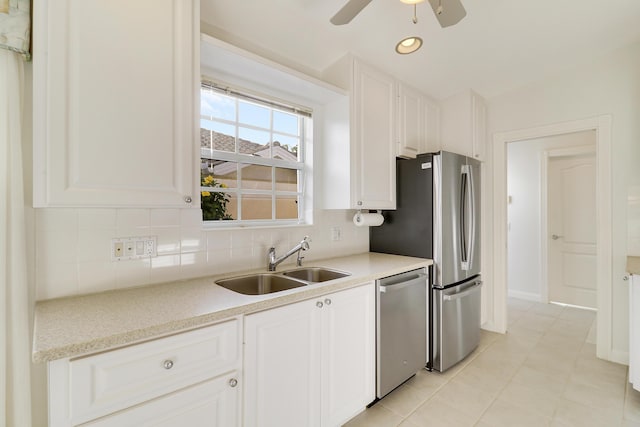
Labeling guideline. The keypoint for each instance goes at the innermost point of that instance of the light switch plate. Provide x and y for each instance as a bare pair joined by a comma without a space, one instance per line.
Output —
126,248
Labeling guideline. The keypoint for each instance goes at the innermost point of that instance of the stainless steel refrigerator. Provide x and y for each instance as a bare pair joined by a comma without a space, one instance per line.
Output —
438,217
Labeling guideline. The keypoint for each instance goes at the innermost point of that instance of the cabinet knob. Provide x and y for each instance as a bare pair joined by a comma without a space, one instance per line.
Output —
168,364
233,382
319,304
327,301
188,199
625,278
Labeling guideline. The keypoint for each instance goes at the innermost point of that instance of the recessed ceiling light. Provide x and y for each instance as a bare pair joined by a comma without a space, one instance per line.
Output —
408,45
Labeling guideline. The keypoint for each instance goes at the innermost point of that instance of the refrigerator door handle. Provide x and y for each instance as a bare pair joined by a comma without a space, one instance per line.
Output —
467,217
453,297
472,209
463,220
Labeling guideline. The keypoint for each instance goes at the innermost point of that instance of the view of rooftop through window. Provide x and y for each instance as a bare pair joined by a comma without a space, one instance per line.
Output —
252,160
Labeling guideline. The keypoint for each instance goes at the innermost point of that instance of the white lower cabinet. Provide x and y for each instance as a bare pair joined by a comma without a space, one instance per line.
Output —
211,403
634,331
311,363
192,378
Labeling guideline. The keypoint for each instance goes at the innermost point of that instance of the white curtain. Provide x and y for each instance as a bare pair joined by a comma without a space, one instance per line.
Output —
15,389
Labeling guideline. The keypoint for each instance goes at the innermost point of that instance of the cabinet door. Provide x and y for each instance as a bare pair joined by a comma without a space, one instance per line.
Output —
117,379
634,331
210,404
410,122
479,127
348,353
114,102
373,147
282,366
432,127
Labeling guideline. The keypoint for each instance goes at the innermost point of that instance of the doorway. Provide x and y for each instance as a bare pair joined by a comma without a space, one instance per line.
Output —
551,189
601,125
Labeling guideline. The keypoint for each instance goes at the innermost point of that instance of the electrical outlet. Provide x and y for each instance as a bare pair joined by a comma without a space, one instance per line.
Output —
125,248
336,234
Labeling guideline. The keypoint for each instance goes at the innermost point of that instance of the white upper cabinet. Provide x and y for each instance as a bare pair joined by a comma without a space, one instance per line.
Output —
464,125
431,116
411,122
372,132
115,95
359,147
418,123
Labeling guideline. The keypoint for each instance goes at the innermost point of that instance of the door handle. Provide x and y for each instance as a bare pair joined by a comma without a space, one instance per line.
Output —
555,236
464,293
419,280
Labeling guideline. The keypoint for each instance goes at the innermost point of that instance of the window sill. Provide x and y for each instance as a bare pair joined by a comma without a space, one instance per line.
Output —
254,226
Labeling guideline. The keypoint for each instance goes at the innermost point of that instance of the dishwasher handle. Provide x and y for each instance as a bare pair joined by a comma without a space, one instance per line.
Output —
419,279
464,293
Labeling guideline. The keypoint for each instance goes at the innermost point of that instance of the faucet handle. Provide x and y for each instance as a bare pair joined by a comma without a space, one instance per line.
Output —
304,244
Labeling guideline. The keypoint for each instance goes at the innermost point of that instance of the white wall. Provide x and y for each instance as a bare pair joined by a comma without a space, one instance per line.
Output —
608,85
524,239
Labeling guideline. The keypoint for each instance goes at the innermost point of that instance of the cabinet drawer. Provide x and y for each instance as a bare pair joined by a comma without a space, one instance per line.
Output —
213,403
118,379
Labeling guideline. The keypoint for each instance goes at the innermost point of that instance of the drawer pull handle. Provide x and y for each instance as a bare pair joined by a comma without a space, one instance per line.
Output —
233,382
168,364
319,304
327,301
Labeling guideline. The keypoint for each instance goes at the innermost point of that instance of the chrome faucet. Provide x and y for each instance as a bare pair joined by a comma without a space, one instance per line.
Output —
302,246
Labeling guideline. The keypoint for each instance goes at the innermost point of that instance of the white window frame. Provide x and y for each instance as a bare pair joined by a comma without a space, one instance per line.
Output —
301,165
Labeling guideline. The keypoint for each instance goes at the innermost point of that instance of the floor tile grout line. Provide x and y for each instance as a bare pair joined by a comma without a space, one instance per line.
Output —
529,342
475,354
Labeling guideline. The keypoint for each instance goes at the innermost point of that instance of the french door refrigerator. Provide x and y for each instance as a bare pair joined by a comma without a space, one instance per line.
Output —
438,217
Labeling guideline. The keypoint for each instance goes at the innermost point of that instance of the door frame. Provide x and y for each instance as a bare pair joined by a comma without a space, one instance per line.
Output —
544,205
602,126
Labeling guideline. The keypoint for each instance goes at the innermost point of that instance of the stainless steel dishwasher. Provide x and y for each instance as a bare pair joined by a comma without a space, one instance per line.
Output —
401,303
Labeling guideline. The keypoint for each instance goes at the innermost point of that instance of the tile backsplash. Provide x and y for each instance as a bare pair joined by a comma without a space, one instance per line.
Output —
73,247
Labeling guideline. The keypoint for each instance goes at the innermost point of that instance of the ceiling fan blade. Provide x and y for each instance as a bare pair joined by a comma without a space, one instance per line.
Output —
349,11
448,12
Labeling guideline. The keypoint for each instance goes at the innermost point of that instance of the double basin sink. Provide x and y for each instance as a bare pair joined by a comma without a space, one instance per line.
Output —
267,283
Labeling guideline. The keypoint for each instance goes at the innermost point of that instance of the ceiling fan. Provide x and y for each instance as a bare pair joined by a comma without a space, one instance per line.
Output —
448,12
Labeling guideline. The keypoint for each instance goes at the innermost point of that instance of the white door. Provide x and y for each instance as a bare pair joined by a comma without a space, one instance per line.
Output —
571,226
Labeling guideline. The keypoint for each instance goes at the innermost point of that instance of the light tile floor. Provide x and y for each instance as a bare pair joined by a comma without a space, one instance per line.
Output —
542,372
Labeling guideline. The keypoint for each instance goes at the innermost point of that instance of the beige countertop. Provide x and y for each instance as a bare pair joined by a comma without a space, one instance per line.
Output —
74,326
633,264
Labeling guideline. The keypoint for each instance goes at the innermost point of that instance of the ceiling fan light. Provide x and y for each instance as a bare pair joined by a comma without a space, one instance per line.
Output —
408,45
411,1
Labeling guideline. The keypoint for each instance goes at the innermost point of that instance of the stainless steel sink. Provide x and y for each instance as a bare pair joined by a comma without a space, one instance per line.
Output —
315,274
260,284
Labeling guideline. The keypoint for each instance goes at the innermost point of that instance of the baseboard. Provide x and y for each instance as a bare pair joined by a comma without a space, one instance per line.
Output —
524,295
491,327
621,357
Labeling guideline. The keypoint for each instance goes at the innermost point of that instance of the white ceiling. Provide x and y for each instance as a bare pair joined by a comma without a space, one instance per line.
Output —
499,45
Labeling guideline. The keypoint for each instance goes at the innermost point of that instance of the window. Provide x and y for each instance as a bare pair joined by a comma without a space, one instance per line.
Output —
252,166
